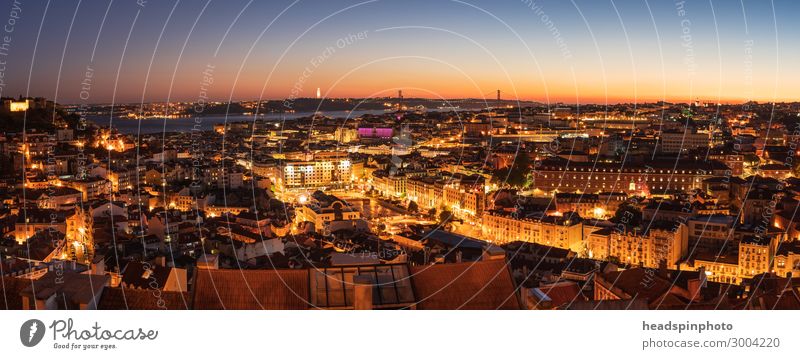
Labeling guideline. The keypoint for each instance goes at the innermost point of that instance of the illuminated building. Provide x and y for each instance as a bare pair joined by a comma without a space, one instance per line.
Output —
734,161
561,232
755,255
389,185
589,205
75,224
18,106
461,194
375,132
787,259
345,134
661,241
721,268
92,188
677,142
56,198
556,174
327,212
314,174
710,231
37,144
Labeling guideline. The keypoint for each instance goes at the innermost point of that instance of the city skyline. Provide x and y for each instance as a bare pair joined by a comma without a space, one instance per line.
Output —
547,51
264,163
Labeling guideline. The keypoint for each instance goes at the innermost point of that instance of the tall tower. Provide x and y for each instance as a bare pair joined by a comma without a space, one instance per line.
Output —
498,98
400,100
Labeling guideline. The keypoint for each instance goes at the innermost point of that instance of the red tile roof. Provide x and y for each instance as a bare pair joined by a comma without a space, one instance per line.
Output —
142,299
469,285
10,289
251,289
562,293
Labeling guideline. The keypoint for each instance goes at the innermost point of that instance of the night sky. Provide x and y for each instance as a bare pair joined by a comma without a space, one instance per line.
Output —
551,51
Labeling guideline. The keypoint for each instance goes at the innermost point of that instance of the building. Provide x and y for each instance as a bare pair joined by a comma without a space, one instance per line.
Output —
562,232
649,247
464,195
681,142
559,175
734,161
589,205
317,174
718,267
711,231
661,289
787,259
344,134
389,185
53,198
74,223
18,106
91,187
484,285
327,212
755,255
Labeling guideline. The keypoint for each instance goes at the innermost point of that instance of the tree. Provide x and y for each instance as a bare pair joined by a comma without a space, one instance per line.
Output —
413,207
628,214
432,213
518,174
445,216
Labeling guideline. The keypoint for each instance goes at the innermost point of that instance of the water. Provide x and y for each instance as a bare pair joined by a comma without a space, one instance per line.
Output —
131,126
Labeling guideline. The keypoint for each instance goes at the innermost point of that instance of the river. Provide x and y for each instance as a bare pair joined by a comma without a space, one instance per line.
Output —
133,126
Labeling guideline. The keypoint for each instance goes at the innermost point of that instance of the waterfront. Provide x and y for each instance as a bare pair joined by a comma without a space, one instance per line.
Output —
155,125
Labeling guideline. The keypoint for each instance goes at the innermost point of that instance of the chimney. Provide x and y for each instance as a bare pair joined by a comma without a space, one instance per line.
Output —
362,288
694,285
662,269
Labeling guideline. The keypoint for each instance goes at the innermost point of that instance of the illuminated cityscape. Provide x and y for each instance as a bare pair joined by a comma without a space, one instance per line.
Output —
394,164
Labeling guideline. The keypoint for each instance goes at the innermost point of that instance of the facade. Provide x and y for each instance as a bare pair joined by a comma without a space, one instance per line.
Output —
589,205
787,259
327,212
723,268
92,188
18,106
755,256
558,175
667,242
389,185
464,195
314,174
677,142
710,231
560,232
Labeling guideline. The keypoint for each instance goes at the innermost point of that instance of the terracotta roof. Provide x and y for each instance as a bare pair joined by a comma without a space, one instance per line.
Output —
75,288
251,289
562,293
11,288
769,291
625,304
636,282
141,299
789,300
469,285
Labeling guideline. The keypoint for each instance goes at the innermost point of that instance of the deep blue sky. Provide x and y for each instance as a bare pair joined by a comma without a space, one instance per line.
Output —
604,50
